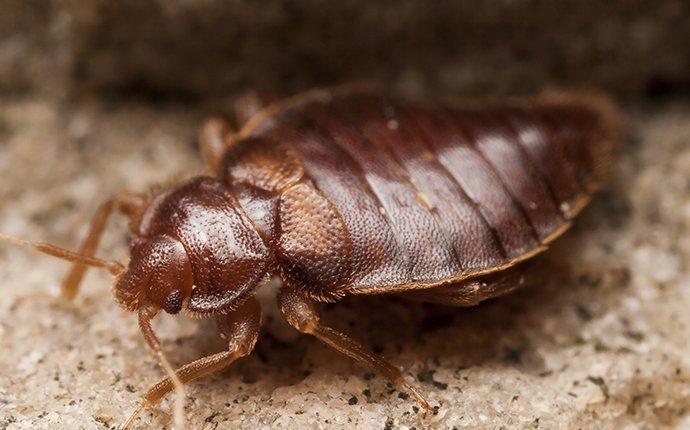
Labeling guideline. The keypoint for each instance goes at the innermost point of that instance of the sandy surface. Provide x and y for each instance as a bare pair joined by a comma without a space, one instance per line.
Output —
603,343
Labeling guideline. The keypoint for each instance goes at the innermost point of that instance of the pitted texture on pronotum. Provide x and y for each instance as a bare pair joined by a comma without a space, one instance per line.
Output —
227,256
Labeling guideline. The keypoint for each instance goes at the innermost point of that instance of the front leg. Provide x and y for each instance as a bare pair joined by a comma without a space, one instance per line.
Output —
300,312
239,329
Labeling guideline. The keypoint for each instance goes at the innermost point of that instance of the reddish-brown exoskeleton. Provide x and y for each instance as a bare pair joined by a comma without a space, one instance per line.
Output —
349,191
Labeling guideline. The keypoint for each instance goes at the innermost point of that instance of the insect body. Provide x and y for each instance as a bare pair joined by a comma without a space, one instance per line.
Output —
347,192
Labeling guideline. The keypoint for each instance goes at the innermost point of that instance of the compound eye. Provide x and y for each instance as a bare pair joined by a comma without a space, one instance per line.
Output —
173,303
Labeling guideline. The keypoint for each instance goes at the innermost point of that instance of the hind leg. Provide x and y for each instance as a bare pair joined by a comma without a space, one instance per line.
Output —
217,134
473,291
248,105
469,293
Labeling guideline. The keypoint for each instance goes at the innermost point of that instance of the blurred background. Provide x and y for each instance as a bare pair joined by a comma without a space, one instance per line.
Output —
98,96
206,48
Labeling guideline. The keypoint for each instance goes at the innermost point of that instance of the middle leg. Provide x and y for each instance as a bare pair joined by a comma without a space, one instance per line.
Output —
301,313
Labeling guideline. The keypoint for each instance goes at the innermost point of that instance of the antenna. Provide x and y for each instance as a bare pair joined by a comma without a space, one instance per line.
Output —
113,267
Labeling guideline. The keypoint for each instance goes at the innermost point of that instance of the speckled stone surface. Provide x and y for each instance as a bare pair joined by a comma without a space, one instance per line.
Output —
602,343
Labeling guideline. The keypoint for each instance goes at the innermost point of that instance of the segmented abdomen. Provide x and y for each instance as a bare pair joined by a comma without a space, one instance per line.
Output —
432,193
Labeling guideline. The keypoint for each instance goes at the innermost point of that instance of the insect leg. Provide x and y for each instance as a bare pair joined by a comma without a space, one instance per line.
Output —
215,136
300,312
247,105
473,291
239,329
129,203
468,293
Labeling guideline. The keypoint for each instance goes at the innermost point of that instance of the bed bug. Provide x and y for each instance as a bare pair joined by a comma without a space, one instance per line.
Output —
350,191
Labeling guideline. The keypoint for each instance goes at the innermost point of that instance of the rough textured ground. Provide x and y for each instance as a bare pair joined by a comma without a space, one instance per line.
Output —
603,343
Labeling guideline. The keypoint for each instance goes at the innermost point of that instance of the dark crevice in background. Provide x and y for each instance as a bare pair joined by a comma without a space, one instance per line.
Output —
195,50
659,88
141,90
